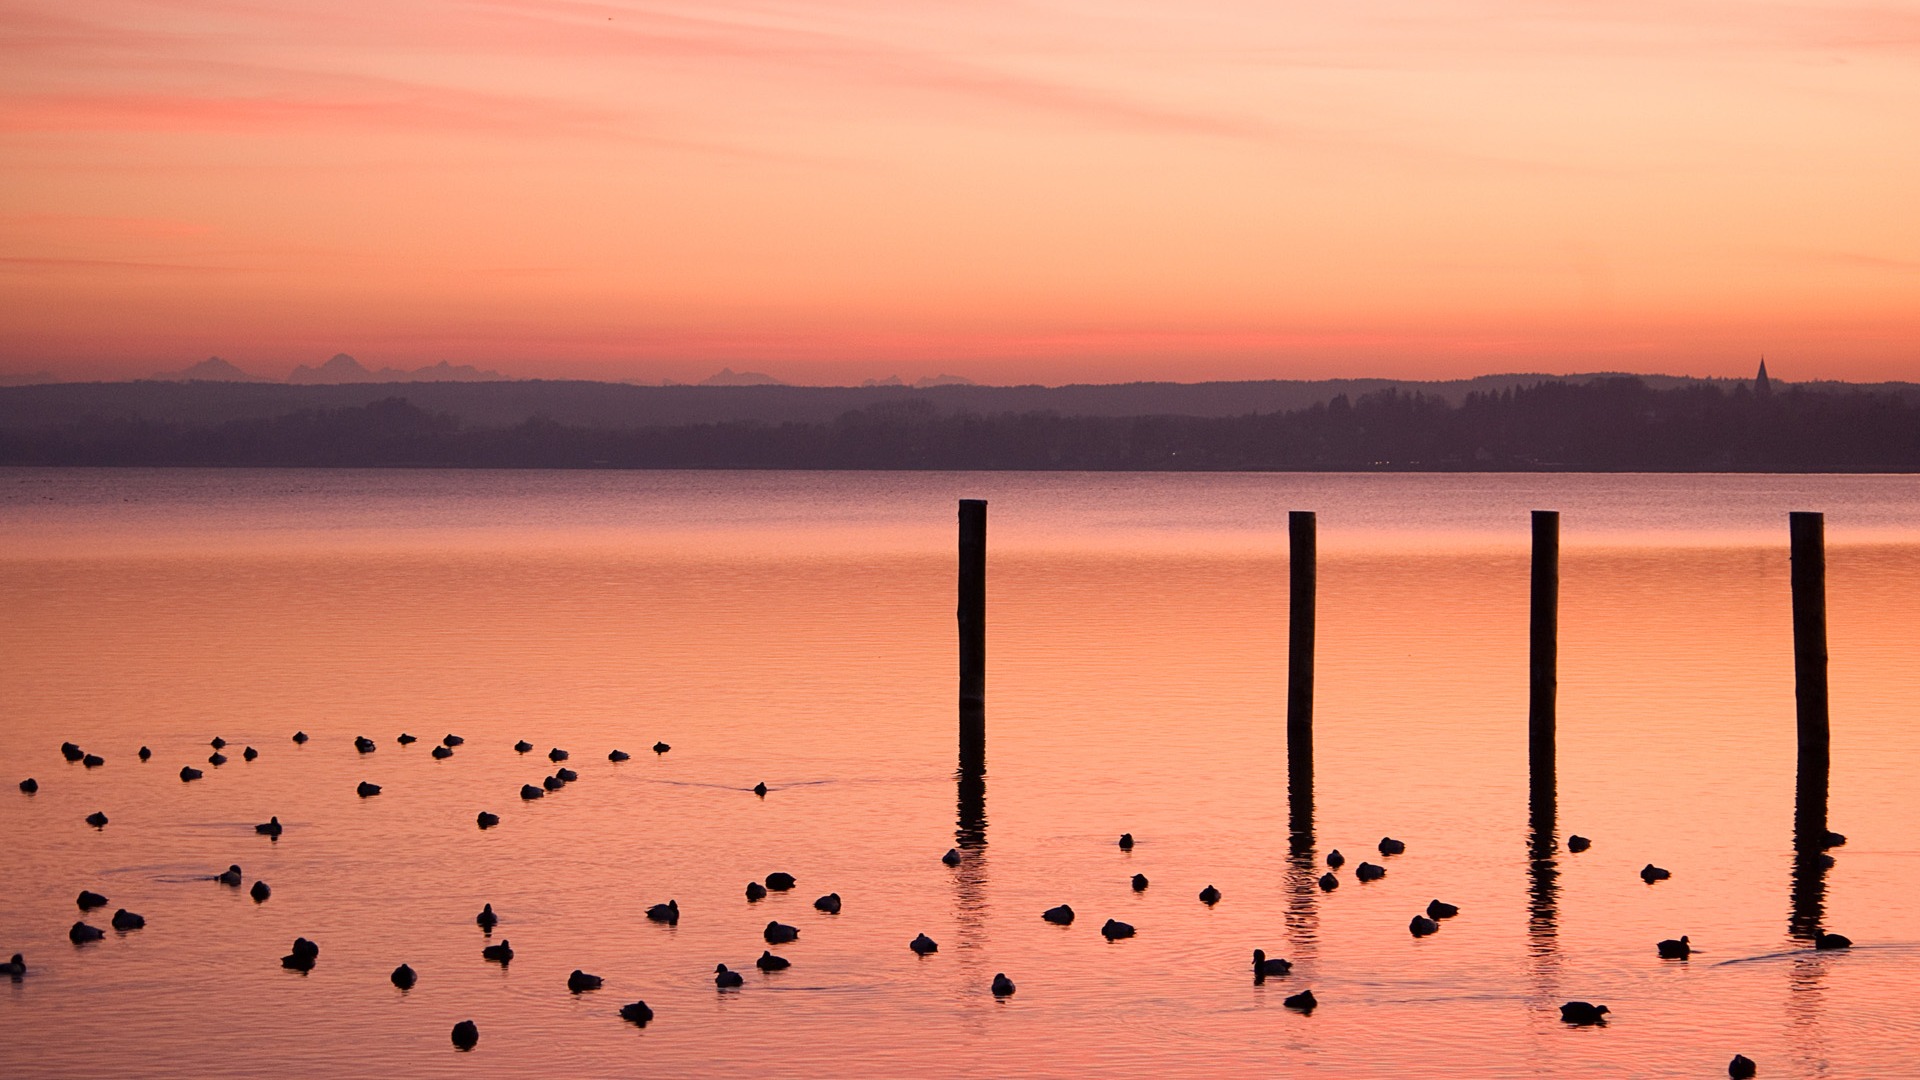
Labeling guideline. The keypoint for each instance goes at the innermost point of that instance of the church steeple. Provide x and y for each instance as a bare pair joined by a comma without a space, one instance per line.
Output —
1761,387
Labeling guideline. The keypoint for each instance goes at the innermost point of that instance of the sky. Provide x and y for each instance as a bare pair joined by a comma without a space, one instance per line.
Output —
1011,190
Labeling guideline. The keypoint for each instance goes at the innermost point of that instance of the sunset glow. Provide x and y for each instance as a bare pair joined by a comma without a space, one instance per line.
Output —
1055,191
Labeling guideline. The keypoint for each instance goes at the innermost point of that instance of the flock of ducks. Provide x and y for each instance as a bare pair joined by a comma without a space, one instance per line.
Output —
465,1035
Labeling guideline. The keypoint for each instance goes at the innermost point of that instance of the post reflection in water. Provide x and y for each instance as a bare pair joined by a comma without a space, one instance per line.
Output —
970,829
1543,871
1806,917
1303,916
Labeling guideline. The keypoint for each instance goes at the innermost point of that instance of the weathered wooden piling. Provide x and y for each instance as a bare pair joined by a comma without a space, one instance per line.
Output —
1808,540
1544,636
973,634
1303,584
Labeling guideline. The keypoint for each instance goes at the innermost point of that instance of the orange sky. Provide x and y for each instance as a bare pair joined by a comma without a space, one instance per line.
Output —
1051,191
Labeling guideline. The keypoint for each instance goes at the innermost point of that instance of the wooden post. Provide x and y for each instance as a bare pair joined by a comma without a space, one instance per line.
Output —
1544,626
1301,560
973,602
1808,533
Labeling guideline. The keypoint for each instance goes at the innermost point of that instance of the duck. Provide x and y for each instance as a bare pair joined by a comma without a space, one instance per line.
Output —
923,945
580,982
188,774
1335,859
1367,871
97,819
530,793
1139,883
1829,942
124,920
829,903
1577,843
755,891
229,876
1126,841
1002,986
636,1012
1742,1068
15,967
1833,839
71,752
1209,896
486,920
780,882
442,753
1421,926
760,789
260,892
1304,1001
523,747
1584,1013
466,1035
668,913
403,977
661,748
146,754
93,761
1675,950
80,933
218,743
500,954
1264,968
88,900
299,736
779,933
406,739
556,755
249,754
486,820
363,744
303,956
553,783
952,857
451,740
1440,910
216,759
618,755
368,791
567,776
1651,873
1390,846
727,980
29,785
270,827
1059,916
1328,882
1115,930
770,962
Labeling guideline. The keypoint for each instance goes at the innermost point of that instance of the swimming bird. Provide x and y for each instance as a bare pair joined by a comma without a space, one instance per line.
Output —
89,900
636,1012
229,876
260,892
1115,930
760,789
1264,968
1139,883
451,740
1126,841
71,752
523,746
145,754
1366,871
779,933
1742,1068
499,954
1439,910
952,857
216,760
368,791
1421,926
580,982
466,1035
1651,873
755,891
29,785
618,755
302,957
271,827
93,761
1390,846
829,903
299,736
567,776
668,913
1304,1001
1584,1013
15,967
1829,942
486,820
97,819
124,920
249,753
1059,916
363,744
1335,859
553,783
727,980
403,977
556,755
1002,986
442,753
406,739
530,793
661,748
922,945
1675,950
188,774
770,962
487,920
1209,896
1328,882
780,882
218,743
1577,843
81,933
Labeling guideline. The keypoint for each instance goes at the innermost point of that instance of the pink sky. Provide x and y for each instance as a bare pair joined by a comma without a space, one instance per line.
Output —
1051,191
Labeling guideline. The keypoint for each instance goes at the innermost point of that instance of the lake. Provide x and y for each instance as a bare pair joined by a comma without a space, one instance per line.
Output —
797,630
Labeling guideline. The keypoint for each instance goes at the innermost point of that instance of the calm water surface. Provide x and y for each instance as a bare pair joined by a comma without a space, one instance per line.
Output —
797,629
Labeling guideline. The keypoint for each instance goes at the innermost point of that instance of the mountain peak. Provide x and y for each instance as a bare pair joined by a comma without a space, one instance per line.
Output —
212,369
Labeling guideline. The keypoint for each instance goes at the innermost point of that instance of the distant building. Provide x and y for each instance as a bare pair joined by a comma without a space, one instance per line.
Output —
1761,387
